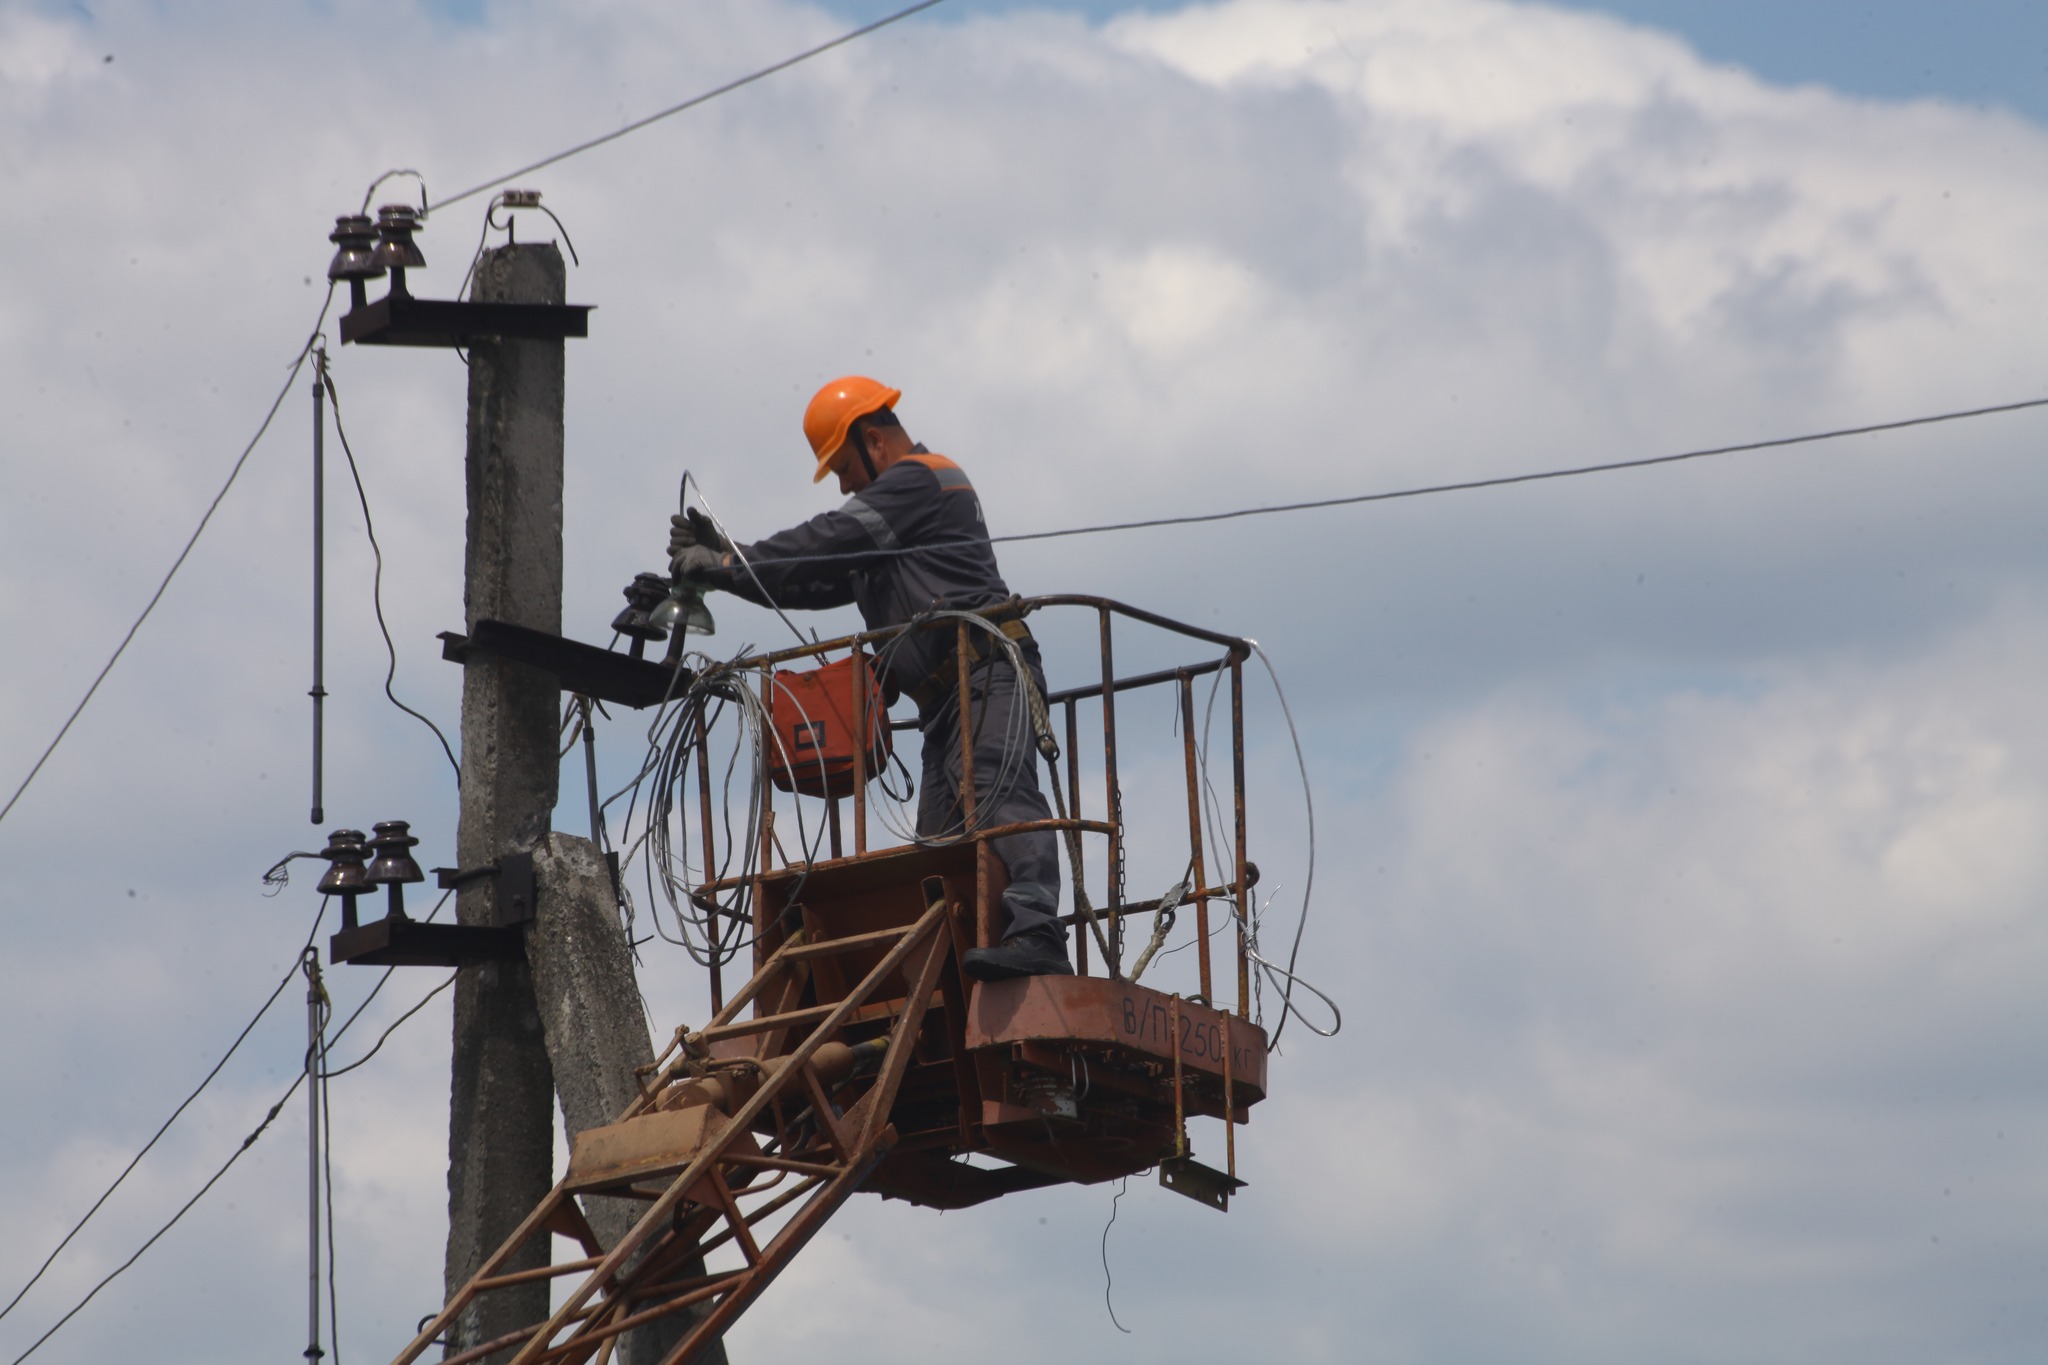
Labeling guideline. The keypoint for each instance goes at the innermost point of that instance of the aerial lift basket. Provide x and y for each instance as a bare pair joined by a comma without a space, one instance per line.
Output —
858,1056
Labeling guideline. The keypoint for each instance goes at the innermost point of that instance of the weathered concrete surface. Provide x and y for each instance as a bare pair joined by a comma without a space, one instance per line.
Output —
501,1121
595,1028
583,981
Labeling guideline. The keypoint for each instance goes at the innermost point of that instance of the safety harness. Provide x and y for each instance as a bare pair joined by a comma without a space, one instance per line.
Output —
945,678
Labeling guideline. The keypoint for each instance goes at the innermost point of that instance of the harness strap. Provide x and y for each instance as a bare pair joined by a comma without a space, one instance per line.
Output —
943,679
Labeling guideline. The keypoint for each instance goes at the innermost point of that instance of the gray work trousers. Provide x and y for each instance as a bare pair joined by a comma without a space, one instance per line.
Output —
1000,722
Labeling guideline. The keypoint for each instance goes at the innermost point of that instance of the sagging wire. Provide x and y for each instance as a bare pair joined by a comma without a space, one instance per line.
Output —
737,553
269,1118
682,725
655,749
322,1074
1222,923
674,735
502,199
695,100
1308,801
670,739
298,363
165,1126
394,174
662,845
326,378
389,1029
680,730
1107,1281
1015,752
1284,979
756,722
491,224
356,1013
1431,490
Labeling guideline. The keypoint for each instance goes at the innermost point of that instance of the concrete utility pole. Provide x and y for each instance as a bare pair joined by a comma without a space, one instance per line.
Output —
567,1016
501,1121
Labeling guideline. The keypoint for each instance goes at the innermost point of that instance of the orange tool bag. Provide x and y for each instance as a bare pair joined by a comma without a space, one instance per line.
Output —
812,715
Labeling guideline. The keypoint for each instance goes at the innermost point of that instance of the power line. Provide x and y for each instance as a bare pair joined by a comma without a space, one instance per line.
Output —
690,103
1497,481
389,1029
165,1127
1503,480
298,363
247,1142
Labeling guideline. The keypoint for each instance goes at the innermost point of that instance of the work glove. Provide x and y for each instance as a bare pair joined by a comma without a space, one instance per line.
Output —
698,562
693,528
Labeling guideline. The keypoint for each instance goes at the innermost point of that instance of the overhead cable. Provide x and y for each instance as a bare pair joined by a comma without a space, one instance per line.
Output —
298,363
269,1118
165,1126
377,578
1109,1281
1308,887
1503,480
691,103
390,1029
185,1208
1466,485
357,1012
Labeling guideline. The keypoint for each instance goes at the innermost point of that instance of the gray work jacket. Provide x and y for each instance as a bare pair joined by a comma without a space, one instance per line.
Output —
923,504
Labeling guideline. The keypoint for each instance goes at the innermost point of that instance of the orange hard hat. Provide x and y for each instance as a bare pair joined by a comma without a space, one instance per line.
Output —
833,411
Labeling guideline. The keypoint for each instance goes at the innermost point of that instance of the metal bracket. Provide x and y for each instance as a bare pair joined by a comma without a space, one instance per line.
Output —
400,941
402,320
514,875
578,667
1203,1184
393,942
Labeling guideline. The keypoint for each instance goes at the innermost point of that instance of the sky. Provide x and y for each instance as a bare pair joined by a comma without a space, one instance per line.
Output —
1678,870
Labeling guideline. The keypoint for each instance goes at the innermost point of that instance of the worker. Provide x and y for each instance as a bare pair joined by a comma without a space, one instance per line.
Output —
909,539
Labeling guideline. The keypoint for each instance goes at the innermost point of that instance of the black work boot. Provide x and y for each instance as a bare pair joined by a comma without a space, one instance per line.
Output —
1041,952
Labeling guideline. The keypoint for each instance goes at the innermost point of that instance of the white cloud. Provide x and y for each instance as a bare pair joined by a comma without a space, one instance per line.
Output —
1677,875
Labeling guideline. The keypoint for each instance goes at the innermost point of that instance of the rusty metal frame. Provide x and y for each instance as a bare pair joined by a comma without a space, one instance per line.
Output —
1235,891
700,1207
738,1142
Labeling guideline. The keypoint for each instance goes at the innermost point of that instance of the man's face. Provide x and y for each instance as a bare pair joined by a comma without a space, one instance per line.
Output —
851,469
